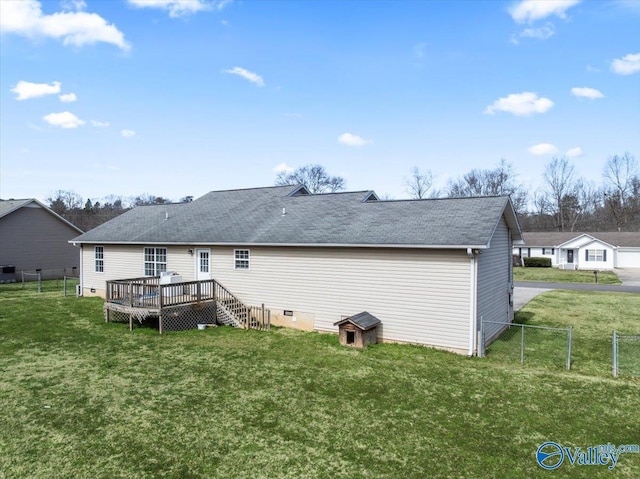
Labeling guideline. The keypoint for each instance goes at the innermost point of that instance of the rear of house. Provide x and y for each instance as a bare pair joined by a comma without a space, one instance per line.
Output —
428,269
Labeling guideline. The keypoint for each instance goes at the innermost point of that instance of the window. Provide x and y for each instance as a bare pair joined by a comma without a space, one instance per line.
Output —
548,251
155,261
241,258
596,255
99,259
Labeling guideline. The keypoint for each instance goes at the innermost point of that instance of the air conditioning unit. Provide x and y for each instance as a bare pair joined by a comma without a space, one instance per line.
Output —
78,290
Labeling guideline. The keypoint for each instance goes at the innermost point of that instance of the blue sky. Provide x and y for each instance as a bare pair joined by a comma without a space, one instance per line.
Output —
177,98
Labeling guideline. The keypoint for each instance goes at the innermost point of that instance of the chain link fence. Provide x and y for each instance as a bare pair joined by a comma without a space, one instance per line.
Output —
626,355
540,345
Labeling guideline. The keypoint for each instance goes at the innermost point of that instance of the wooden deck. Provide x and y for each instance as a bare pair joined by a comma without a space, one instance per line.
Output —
205,301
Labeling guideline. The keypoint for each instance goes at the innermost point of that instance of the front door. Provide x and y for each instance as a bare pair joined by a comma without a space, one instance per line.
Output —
569,256
203,264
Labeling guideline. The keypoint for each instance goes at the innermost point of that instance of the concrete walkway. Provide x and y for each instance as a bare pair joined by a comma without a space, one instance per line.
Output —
522,295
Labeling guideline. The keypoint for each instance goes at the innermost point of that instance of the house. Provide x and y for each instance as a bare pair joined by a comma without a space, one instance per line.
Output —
33,237
428,269
593,251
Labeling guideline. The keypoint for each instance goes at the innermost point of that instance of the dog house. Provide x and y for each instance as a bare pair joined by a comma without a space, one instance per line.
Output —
358,331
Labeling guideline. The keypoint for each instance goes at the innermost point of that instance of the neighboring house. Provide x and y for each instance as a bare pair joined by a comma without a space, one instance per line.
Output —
571,250
33,237
428,269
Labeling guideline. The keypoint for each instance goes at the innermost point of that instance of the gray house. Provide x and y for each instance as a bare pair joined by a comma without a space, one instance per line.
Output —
33,237
428,269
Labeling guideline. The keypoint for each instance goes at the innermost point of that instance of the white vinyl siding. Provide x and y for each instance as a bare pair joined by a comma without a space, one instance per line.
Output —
494,281
420,296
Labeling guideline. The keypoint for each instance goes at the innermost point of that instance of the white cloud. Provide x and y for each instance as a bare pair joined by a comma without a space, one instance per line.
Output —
586,92
74,5
541,33
574,152
68,97
352,140
127,133
76,28
65,119
246,74
283,168
180,8
626,65
543,149
528,11
520,104
26,90
100,124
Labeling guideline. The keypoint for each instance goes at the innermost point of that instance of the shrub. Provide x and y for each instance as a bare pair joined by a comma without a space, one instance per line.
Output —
537,262
517,260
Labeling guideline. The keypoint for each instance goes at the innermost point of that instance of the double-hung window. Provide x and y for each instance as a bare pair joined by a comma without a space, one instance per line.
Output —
241,258
99,259
596,255
155,261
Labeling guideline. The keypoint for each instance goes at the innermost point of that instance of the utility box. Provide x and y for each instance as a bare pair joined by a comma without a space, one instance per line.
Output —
359,330
170,277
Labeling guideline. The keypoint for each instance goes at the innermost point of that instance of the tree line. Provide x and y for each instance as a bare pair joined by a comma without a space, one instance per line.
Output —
564,202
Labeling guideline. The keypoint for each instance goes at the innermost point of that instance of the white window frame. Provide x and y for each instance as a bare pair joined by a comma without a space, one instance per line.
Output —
98,259
240,260
548,251
595,255
150,264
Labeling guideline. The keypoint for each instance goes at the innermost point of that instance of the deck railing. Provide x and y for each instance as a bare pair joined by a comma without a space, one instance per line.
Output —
148,293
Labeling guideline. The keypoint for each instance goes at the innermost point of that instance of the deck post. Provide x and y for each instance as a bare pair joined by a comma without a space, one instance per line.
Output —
160,304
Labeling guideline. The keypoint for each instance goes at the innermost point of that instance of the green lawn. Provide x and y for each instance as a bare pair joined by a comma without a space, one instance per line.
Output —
81,398
555,275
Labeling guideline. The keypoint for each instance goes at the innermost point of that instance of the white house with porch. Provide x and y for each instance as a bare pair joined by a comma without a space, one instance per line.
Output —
593,251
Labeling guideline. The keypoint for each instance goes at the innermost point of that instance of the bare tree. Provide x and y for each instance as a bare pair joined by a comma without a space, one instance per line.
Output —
314,177
418,183
560,181
493,182
620,172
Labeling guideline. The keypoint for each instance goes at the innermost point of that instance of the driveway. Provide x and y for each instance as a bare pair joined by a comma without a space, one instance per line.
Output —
525,291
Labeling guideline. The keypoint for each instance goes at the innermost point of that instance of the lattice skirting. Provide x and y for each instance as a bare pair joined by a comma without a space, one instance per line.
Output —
174,318
188,316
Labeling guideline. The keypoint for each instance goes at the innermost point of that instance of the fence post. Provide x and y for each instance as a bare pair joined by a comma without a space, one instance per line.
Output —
615,354
64,285
522,344
569,347
481,351
39,282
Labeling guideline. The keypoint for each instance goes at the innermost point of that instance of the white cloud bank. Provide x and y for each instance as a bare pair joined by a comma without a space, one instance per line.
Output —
127,133
352,140
626,65
180,8
247,75
586,92
26,90
528,11
68,97
75,28
520,104
65,119
543,149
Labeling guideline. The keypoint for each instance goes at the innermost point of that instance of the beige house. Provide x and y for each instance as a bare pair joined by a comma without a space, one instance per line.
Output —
428,269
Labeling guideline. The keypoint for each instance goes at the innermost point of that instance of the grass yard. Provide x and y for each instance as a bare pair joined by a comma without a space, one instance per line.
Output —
81,398
555,275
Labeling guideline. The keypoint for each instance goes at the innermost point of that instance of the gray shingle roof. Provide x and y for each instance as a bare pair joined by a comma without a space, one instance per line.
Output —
7,206
364,321
556,238
254,216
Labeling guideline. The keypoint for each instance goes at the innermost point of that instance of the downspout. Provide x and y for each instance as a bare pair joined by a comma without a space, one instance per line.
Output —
473,296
